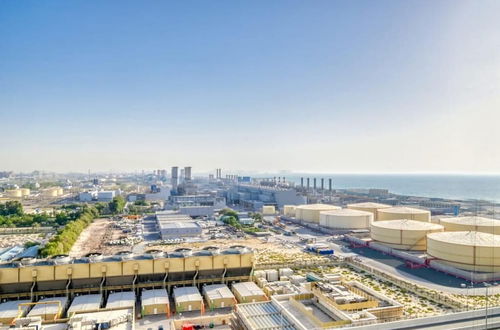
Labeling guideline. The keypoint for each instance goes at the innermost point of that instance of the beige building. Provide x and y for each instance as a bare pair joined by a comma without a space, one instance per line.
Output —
218,296
188,299
246,292
155,302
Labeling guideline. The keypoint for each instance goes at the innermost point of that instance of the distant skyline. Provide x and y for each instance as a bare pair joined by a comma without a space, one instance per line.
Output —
320,87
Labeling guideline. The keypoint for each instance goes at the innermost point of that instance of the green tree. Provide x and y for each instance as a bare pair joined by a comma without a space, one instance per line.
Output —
11,208
117,205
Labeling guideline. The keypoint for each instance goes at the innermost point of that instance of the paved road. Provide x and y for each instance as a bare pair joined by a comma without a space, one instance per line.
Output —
149,233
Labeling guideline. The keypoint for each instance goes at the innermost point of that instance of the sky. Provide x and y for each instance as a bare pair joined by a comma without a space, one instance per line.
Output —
309,86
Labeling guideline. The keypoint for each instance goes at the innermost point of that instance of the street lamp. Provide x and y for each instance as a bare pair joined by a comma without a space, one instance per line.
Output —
487,285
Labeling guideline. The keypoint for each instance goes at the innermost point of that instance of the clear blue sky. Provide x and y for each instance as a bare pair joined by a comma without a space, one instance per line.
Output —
326,86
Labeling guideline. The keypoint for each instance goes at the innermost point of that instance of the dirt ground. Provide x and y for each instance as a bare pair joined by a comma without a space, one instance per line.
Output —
94,238
19,239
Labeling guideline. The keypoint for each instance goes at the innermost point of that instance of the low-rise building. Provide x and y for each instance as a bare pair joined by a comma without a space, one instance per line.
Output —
155,302
218,296
188,299
248,292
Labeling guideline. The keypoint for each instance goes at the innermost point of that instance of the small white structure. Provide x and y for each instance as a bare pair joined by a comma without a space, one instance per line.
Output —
121,299
85,303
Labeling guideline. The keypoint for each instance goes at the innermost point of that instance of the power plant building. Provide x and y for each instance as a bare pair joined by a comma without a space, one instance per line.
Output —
403,234
311,212
254,197
369,207
174,229
188,299
246,292
218,296
468,250
403,212
346,219
289,210
155,302
474,223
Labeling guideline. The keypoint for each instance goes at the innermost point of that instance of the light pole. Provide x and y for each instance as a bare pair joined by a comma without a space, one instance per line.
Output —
487,285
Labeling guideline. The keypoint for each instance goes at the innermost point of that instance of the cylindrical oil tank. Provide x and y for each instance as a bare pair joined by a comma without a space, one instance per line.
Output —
268,209
289,210
310,212
25,191
14,193
474,223
403,212
51,192
403,234
369,207
346,218
469,250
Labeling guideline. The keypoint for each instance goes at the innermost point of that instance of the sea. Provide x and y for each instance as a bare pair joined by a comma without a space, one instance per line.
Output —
460,187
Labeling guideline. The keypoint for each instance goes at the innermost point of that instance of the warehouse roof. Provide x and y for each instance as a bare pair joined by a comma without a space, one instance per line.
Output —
43,309
217,291
185,224
406,224
154,297
88,302
186,294
264,315
121,299
247,289
470,238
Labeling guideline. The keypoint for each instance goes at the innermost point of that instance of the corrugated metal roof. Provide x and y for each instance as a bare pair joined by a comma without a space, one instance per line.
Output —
121,299
246,289
154,297
186,294
48,308
88,302
260,316
217,291
11,308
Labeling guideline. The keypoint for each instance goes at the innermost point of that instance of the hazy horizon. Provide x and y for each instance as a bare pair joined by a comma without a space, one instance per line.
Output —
324,87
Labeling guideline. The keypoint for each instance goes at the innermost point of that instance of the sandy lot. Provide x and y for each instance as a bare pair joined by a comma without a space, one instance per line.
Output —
19,239
94,238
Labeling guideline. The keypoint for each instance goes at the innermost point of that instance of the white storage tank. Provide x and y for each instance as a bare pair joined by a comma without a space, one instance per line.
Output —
289,210
403,212
268,210
310,212
346,218
469,250
272,275
369,207
403,234
473,223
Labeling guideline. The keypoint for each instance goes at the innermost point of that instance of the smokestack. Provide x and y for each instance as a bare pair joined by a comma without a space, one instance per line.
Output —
307,183
314,183
322,184
175,177
302,182
283,179
187,173
330,184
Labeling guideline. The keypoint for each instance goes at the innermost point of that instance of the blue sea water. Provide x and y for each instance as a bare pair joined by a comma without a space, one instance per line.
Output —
484,187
